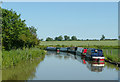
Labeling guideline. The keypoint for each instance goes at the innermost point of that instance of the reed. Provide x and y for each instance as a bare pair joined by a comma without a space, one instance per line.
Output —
13,57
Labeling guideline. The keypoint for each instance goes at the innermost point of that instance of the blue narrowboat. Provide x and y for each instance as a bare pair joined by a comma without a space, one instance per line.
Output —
63,49
51,48
95,54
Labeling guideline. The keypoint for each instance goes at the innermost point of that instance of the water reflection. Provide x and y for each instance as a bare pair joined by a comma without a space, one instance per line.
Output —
93,66
59,55
67,66
23,71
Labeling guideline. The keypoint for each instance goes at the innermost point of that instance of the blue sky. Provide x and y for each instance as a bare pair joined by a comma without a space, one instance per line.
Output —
86,20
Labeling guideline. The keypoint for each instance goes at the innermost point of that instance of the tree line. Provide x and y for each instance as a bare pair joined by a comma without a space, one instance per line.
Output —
15,33
60,38
73,38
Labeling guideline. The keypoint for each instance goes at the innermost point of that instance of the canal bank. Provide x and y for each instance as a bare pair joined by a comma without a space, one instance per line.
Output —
63,66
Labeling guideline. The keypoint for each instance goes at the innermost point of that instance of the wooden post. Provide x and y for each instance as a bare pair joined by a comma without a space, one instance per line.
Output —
107,52
111,52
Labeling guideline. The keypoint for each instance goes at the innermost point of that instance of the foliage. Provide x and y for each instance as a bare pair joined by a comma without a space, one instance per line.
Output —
111,54
66,38
103,37
59,38
23,71
41,39
49,39
33,30
13,57
73,38
15,33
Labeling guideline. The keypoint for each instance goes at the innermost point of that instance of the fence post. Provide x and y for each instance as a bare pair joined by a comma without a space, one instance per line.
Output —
107,52
111,52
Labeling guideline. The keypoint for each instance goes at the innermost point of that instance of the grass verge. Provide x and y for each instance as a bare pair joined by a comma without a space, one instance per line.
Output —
13,57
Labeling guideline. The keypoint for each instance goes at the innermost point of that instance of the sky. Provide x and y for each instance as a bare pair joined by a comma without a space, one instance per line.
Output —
60,0
85,20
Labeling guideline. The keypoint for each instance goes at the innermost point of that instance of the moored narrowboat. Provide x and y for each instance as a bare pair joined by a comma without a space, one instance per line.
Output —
84,51
79,50
72,49
51,48
95,54
58,49
63,49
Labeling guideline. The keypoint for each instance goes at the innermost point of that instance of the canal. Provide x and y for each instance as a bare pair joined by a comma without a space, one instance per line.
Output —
61,66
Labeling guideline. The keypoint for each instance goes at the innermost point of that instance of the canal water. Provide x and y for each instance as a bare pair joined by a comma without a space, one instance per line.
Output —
61,66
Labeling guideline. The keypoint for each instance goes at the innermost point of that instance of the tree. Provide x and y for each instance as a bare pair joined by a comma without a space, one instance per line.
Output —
41,39
66,38
59,38
33,30
49,39
73,38
56,39
15,33
103,37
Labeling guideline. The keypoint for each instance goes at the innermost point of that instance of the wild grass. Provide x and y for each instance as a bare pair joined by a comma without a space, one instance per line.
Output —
13,57
81,43
25,70
111,54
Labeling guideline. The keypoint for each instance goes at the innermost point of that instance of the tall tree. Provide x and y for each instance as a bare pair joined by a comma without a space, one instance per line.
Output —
33,30
73,38
41,39
56,39
15,33
66,38
103,37
49,39
60,38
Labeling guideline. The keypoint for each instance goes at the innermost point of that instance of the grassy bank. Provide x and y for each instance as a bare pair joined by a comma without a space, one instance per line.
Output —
112,55
13,57
87,44
81,43
23,71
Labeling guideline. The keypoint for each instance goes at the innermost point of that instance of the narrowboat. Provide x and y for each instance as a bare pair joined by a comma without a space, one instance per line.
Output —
84,51
72,49
63,49
51,48
58,49
79,50
95,54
